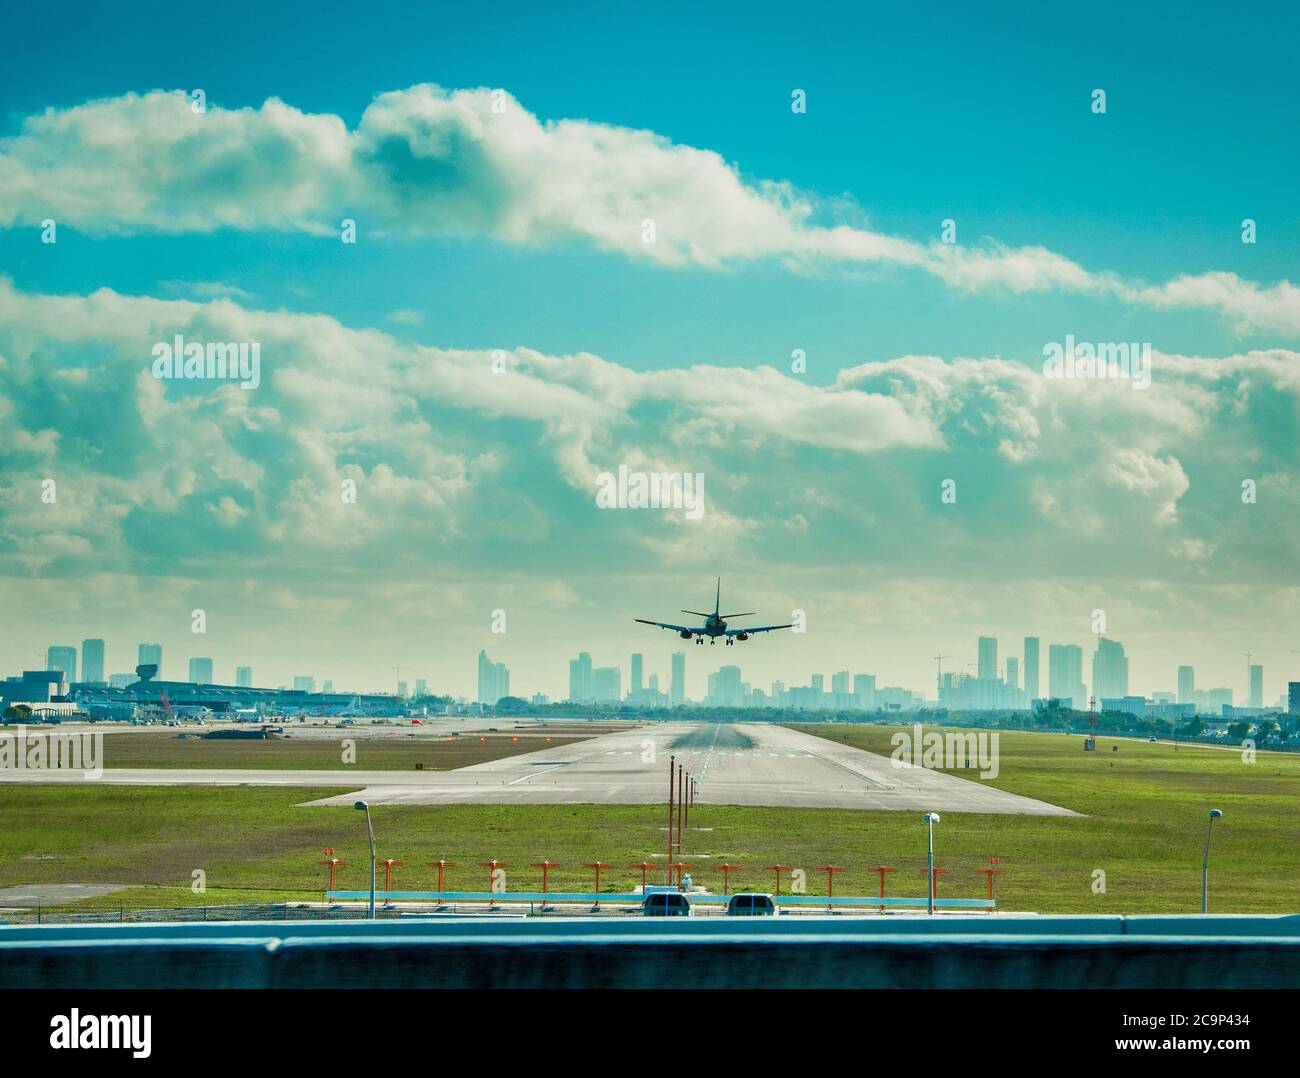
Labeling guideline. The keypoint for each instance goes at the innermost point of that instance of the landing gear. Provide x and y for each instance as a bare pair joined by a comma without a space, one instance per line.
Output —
730,641
699,640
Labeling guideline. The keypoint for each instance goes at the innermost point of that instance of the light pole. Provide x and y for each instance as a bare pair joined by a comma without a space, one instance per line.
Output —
931,818
1205,863
363,807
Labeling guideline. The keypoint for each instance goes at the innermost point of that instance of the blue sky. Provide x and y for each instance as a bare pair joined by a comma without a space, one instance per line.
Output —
1117,227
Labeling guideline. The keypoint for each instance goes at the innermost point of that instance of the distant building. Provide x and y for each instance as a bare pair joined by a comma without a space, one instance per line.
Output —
1256,698
304,683
636,672
201,672
677,688
1013,672
65,659
1065,675
864,691
1109,670
1031,668
150,653
840,682
244,677
121,681
1293,697
327,687
654,683
607,684
1186,685
725,688
493,680
401,689
988,656
421,686
580,678
33,687
92,661
1130,705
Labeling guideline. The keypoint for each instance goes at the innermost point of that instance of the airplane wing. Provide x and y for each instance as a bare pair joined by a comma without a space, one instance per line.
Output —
676,628
758,629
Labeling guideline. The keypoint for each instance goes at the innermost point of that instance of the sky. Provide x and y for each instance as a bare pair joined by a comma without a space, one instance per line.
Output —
713,244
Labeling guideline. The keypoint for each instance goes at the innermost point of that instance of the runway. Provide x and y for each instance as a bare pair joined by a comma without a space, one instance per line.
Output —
757,764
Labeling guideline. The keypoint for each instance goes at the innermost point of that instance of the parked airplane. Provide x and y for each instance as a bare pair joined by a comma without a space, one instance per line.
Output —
715,625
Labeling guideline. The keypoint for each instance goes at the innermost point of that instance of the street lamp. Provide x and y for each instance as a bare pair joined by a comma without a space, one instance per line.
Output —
1205,863
931,818
363,807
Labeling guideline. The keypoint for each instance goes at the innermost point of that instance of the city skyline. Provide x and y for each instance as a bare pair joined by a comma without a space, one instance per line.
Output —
1067,666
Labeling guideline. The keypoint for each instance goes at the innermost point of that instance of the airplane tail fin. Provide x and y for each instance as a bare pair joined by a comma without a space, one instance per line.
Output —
717,602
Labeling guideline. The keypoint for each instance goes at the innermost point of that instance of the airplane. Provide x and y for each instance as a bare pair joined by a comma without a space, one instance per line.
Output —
715,625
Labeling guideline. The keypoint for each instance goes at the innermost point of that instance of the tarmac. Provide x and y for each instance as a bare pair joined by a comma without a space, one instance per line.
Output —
753,764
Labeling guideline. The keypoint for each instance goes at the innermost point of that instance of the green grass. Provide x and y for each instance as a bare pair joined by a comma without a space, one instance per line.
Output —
149,748
1145,824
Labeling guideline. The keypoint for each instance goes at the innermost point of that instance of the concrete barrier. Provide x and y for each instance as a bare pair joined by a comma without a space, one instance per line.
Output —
953,951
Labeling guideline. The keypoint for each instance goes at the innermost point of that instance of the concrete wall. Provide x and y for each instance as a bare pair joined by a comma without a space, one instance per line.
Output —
884,952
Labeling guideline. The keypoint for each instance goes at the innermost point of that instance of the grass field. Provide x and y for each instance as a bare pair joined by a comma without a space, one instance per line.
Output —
1145,809
150,748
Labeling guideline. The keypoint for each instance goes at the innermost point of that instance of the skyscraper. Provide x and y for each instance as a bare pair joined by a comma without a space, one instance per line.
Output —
840,682
636,672
201,671
580,678
304,683
1031,668
864,691
244,677
1065,675
493,680
62,658
421,687
725,689
1186,685
92,661
1256,697
988,666
1109,670
1013,672
150,653
677,695
607,684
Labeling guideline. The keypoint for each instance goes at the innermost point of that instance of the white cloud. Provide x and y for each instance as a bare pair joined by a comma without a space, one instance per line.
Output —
428,161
